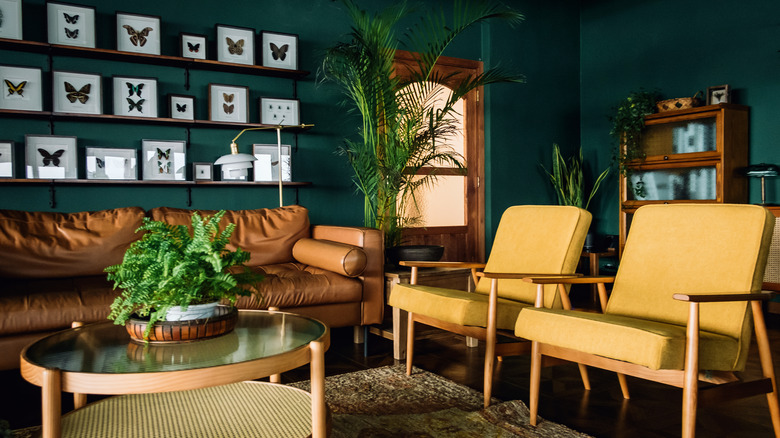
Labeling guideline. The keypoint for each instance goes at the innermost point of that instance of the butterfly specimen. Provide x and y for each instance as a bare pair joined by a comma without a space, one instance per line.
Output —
193,47
228,108
181,108
51,158
73,34
279,53
228,97
134,89
164,167
81,95
235,48
136,104
18,89
100,163
161,154
137,37
71,19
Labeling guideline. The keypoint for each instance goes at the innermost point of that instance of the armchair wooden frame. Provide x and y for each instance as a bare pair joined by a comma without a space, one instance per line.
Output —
725,385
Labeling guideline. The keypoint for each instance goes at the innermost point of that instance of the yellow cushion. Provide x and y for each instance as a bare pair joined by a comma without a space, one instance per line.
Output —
652,344
455,306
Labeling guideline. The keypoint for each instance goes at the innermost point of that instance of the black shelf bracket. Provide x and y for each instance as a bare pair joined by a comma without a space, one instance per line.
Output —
189,196
52,195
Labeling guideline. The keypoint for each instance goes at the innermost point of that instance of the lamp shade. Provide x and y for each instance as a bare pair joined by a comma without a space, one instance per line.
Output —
235,165
762,170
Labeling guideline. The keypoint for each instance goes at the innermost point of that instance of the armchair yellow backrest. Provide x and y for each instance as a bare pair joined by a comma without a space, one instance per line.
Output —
536,239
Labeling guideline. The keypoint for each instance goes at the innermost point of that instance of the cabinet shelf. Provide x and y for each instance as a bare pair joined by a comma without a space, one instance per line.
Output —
123,182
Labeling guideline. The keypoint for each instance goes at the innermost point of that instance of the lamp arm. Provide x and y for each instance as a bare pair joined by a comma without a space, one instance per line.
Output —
265,128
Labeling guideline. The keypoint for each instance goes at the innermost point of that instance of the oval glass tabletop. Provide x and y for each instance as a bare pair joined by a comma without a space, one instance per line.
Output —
106,348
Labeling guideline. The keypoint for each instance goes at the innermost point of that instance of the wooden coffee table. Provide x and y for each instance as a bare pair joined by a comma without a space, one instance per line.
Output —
101,359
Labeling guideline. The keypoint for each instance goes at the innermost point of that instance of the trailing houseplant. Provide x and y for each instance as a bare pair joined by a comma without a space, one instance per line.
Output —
567,179
169,266
401,129
628,122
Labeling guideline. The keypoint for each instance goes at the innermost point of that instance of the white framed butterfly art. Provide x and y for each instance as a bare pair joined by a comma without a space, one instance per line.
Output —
228,103
70,25
21,88
137,33
135,96
235,44
181,107
164,160
11,19
280,50
79,93
112,163
50,157
6,159
192,45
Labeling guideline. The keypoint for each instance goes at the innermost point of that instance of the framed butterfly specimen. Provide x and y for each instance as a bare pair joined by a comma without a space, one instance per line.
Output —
6,159
79,93
50,156
135,96
70,25
228,103
11,17
112,163
202,172
277,111
192,45
268,164
21,88
718,94
279,50
164,160
138,33
235,44
181,107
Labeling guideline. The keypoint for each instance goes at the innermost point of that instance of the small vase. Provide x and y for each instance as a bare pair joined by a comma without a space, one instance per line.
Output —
194,311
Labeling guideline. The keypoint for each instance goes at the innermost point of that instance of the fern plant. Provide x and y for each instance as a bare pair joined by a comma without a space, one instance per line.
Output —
170,267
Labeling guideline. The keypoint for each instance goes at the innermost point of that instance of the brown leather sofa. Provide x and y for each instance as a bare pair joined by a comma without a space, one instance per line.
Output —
51,267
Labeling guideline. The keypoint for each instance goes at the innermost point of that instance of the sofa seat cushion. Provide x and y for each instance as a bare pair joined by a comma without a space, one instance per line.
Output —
655,345
455,306
53,304
290,285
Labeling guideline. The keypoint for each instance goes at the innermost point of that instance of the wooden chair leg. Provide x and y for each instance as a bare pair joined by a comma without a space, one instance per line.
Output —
691,376
765,355
623,386
490,342
536,375
409,343
584,376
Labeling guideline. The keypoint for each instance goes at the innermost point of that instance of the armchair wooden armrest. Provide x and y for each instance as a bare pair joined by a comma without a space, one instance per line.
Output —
720,297
553,278
599,281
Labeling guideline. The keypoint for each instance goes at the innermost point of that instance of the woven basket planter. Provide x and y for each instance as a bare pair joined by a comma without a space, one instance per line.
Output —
184,331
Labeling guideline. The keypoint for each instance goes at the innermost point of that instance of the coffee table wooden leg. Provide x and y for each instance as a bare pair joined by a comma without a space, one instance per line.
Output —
51,403
319,427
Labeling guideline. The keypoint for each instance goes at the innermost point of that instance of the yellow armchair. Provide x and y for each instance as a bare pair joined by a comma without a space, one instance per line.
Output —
688,285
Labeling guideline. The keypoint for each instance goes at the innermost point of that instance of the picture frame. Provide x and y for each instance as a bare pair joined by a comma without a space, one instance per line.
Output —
7,159
279,50
135,96
228,103
112,163
79,93
138,33
11,25
70,25
279,111
267,164
718,94
50,156
181,107
164,160
193,45
202,171
235,45
22,88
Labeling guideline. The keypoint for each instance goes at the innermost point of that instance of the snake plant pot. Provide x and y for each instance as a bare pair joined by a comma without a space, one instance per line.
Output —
185,330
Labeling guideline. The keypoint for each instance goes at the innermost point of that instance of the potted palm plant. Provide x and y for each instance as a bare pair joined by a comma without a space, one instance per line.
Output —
171,271
401,129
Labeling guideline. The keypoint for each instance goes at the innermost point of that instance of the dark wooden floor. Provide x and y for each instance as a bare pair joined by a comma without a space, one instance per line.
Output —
653,411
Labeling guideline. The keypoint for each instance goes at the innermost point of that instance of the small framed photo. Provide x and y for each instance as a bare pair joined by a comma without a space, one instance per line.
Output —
164,159
276,111
112,163
718,94
202,172
134,96
70,25
181,107
50,156
279,50
228,103
6,159
22,88
267,165
11,16
137,33
235,44
192,45
79,93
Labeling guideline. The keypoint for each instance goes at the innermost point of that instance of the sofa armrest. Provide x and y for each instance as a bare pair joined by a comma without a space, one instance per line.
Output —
370,240
343,259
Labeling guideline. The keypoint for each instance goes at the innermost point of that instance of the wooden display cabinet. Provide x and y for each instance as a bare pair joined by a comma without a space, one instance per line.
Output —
692,155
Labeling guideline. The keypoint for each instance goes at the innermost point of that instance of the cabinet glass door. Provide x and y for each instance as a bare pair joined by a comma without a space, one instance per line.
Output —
688,183
684,137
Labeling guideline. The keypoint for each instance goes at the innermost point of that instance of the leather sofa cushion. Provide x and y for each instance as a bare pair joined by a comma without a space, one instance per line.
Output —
267,233
62,245
342,259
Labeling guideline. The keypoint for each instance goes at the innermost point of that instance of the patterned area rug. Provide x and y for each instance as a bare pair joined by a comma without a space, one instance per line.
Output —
385,402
